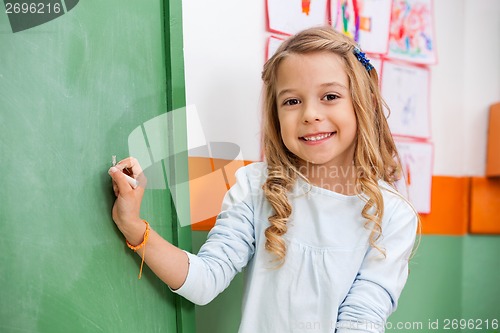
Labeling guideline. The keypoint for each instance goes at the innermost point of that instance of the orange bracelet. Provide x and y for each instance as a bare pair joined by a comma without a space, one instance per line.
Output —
143,244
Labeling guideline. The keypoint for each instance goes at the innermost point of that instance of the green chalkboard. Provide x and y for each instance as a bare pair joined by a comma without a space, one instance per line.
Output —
71,91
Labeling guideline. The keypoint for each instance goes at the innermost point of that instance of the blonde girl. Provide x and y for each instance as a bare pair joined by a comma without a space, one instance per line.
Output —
323,236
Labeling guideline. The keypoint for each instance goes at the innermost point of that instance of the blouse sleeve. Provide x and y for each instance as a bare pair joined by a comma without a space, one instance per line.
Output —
229,246
375,291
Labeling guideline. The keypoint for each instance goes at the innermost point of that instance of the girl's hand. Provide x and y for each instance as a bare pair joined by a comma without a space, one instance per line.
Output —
127,207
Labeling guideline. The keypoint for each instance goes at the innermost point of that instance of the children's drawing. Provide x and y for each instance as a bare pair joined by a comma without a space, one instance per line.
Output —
344,17
366,21
411,35
405,88
306,6
291,16
416,183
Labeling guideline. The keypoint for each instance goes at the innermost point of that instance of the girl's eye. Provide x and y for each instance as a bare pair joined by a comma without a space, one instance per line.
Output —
330,97
291,101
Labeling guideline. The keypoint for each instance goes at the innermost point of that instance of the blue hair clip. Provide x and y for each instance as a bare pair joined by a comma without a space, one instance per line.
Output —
363,59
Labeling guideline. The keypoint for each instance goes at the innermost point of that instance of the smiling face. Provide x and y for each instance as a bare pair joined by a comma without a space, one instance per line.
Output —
315,109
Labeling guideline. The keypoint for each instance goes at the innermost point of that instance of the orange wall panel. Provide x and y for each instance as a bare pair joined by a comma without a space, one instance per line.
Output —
493,153
449,207
485,206
209,180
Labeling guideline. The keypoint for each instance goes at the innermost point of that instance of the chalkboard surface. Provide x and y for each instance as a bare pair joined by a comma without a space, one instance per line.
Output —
71,91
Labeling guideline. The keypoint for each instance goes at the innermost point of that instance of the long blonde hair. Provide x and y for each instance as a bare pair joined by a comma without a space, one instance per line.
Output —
375,155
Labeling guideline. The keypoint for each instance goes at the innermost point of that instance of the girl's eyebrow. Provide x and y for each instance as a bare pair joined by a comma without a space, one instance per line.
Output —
334,84
284,91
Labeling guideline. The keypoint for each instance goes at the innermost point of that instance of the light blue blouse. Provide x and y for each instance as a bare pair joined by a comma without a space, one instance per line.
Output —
331,281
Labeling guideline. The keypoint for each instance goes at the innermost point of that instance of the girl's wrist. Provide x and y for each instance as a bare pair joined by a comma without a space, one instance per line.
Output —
134,231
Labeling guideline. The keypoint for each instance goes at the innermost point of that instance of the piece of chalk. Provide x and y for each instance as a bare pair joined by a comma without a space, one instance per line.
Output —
133,182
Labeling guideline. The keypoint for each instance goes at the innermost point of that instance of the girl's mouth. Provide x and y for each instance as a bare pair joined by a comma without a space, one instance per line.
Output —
317,137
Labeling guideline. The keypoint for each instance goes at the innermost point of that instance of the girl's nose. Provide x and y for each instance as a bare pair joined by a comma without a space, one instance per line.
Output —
311,114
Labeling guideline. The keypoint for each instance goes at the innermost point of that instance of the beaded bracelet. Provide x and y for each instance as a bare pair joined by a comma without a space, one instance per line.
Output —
143,244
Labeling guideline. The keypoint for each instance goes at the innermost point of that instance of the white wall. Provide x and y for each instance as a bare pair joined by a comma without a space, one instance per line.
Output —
481,77
224,44
464,83
447,89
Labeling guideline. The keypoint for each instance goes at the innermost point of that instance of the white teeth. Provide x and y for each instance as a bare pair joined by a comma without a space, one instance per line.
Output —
317,137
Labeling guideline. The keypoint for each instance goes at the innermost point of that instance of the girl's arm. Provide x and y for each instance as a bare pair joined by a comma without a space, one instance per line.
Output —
375,291
230,243
229,247
168,262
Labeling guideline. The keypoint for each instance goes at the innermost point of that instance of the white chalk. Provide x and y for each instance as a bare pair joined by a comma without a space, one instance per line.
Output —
133,182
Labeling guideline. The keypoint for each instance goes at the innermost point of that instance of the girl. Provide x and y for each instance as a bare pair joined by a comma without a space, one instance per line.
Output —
323,235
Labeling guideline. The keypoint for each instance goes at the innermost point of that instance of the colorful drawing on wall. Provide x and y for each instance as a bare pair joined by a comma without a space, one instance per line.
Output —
272,45
411,35
366,21
416,183
306,6
290,16
405,88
